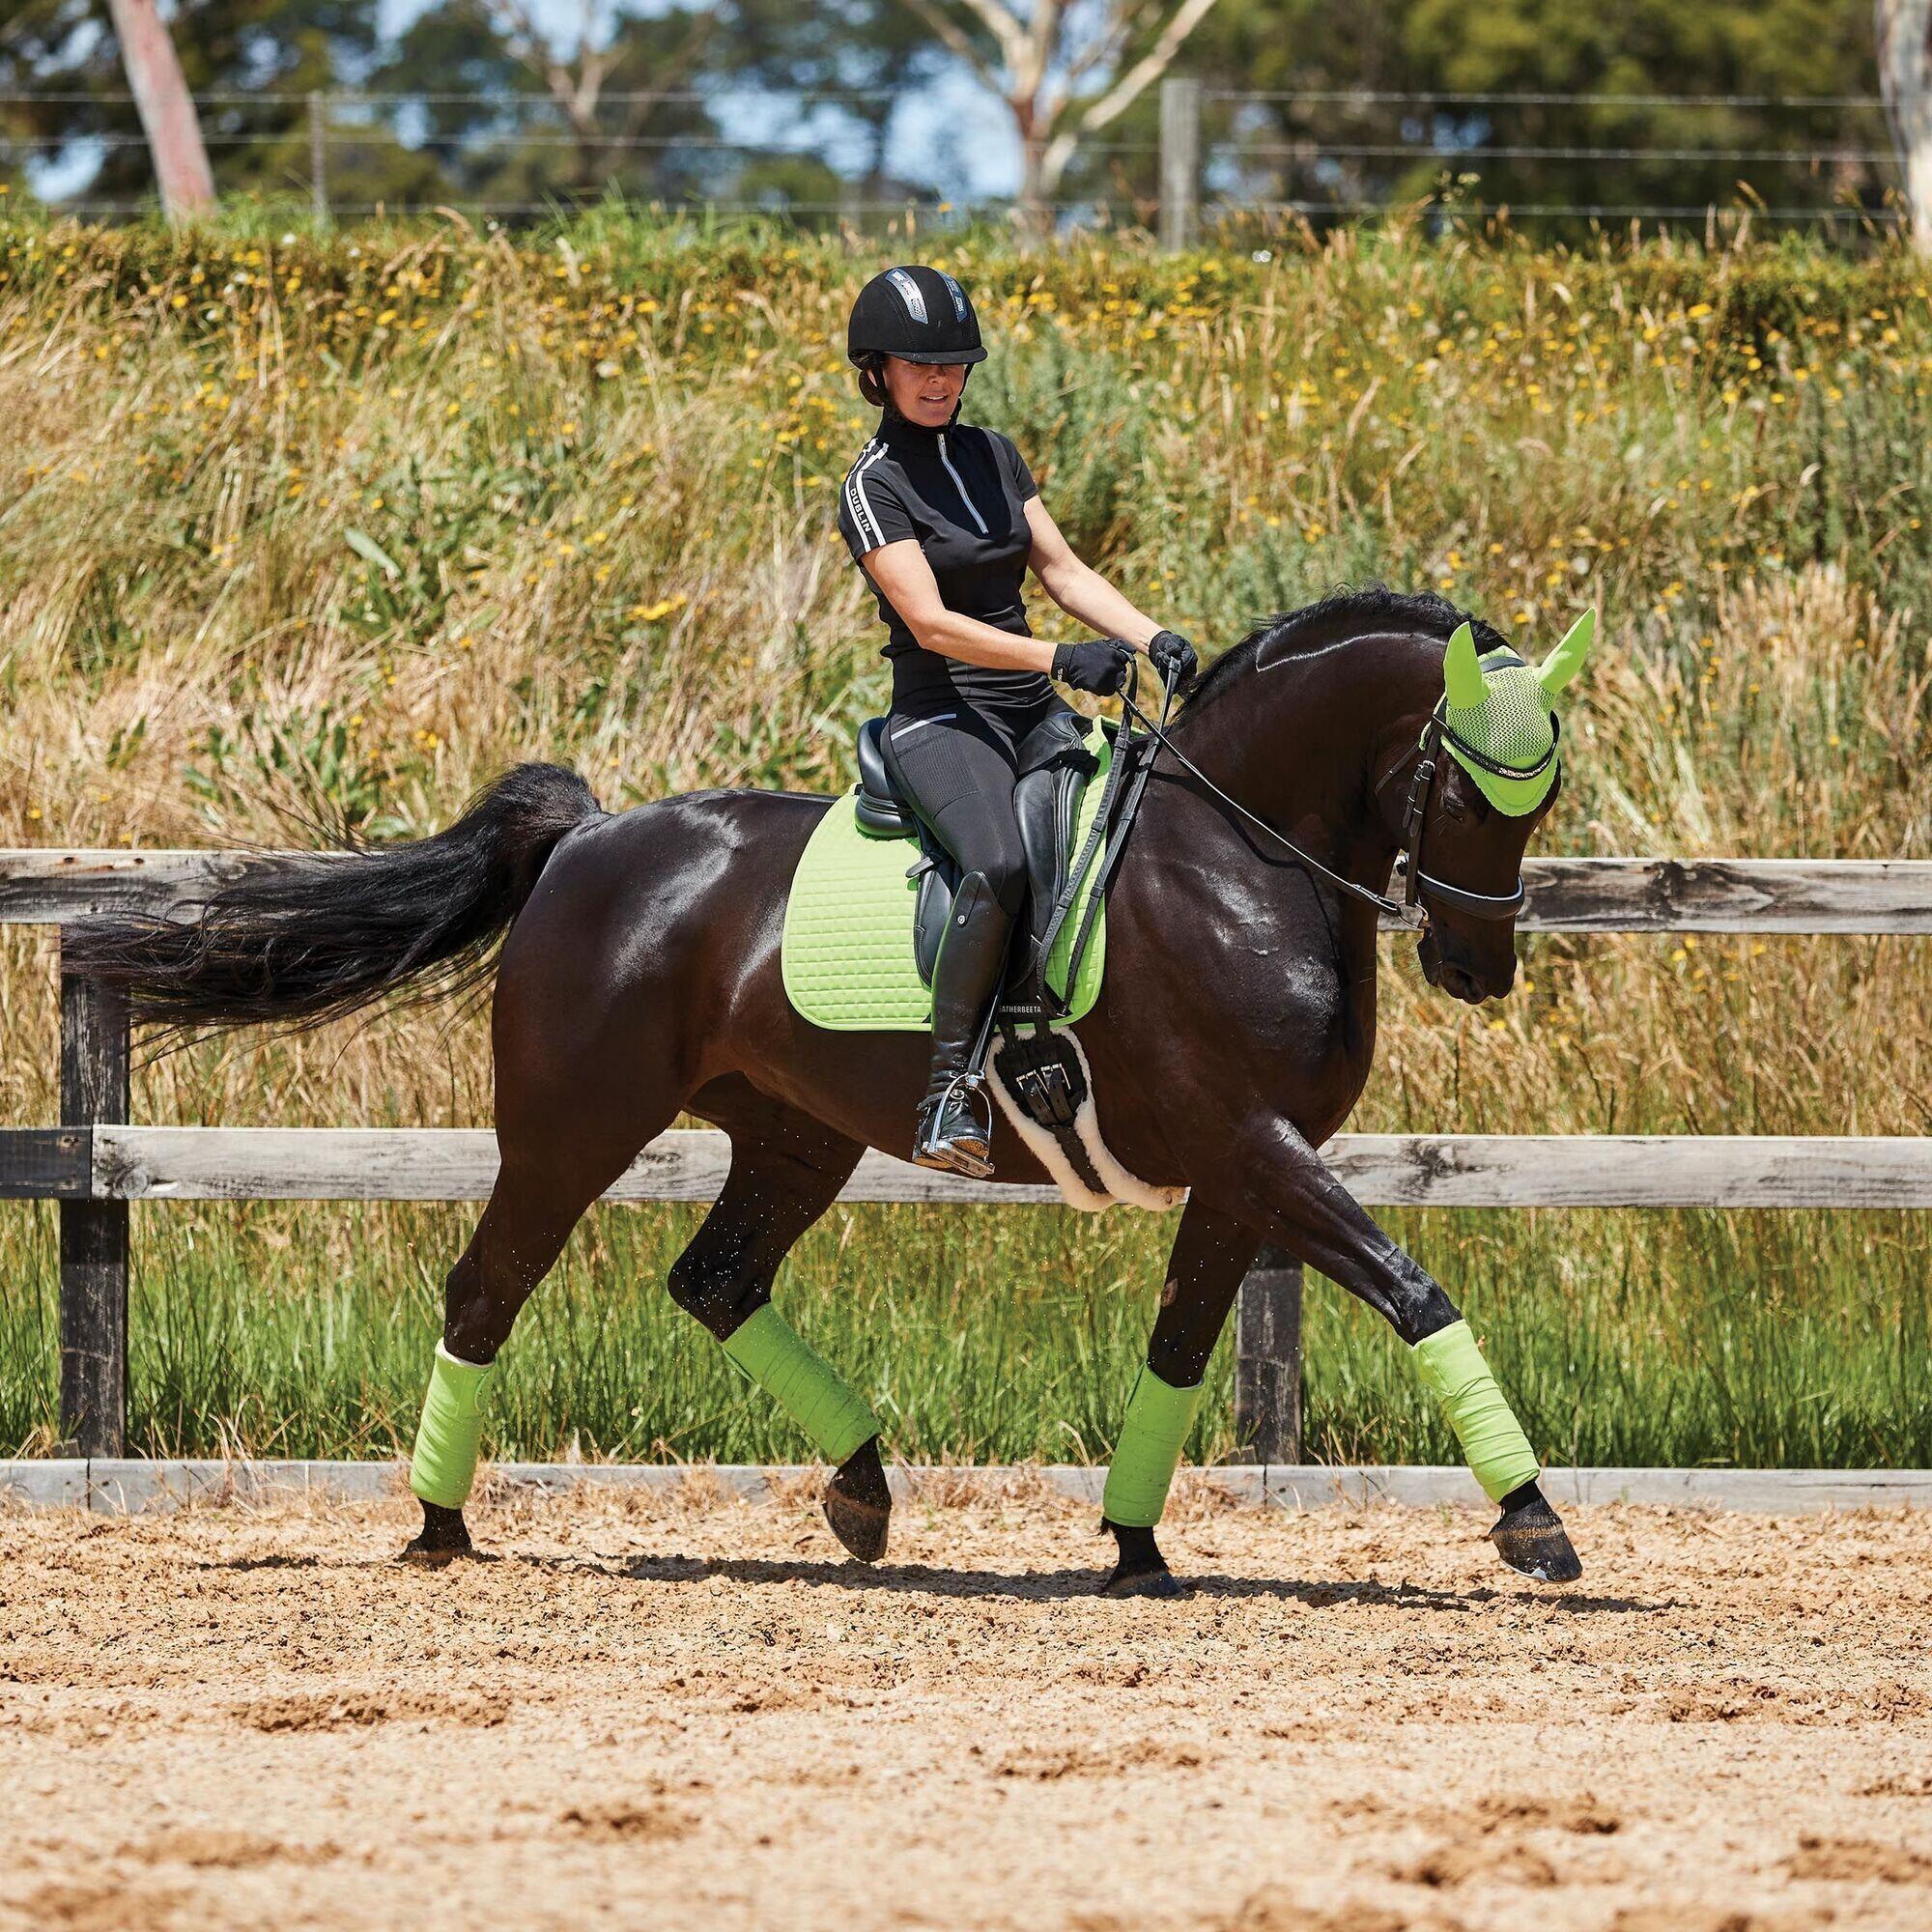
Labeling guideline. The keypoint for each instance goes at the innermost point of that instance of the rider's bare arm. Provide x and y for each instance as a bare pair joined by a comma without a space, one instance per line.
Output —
1079,589
901,571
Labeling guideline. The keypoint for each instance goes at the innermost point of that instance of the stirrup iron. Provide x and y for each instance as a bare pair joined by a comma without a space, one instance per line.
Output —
968,1149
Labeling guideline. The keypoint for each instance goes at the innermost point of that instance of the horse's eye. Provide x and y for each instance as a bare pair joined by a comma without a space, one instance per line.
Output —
1453,806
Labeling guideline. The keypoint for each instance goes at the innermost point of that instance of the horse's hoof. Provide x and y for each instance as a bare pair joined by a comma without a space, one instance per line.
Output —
432,1555
859,1505
1162,1584
862,1528
1142,1570
443,1538
1532,1541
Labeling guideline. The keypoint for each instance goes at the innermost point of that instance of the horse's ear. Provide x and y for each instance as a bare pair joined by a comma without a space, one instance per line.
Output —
1566,659
1462,670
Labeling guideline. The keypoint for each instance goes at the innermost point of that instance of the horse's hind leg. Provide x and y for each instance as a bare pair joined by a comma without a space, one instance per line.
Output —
547,1179
1212,1253
787,1169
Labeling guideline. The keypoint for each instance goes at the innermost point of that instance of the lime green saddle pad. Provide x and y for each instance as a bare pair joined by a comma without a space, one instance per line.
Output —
848,943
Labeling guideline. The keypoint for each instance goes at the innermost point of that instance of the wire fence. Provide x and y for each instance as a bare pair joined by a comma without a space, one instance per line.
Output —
847,156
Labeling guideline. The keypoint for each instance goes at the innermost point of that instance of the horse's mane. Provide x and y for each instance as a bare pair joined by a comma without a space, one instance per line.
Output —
1371,612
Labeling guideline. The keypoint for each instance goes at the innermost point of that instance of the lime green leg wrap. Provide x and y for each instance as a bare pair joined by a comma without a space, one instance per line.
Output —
1158,1419
443,1464
833,1414
1497,1451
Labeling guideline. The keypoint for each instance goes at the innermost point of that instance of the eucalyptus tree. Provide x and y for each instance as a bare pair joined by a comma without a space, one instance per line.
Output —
1065,72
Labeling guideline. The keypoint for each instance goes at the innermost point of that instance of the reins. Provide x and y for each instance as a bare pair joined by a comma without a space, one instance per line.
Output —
1415,821
1379,900
1113,821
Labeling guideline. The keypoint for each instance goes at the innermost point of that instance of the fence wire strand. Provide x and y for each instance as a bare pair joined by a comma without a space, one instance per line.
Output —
334,126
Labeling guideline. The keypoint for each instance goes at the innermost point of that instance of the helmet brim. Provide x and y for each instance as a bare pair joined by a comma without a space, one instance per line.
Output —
933,357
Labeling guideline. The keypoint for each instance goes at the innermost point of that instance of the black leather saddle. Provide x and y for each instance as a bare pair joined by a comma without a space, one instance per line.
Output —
1046,796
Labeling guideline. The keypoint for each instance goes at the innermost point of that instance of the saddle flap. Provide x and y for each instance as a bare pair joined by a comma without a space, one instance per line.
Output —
931,908
1047,800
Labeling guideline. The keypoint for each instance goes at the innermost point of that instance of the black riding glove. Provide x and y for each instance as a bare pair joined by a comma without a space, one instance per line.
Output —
1100,667
1172,656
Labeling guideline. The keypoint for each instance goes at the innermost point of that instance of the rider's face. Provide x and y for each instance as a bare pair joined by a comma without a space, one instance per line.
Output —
924,392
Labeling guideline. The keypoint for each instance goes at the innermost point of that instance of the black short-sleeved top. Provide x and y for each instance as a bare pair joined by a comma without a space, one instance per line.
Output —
960,494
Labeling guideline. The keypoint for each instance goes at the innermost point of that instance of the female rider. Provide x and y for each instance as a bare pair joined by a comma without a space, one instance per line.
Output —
943,520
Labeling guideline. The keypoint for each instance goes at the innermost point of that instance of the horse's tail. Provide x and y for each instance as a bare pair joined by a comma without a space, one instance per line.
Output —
298,940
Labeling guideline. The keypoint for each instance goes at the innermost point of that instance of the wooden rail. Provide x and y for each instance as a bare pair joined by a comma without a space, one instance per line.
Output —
94,1164
114,1163
1865,896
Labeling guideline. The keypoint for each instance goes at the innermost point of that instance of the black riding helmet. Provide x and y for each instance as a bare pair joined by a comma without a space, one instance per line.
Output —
917,314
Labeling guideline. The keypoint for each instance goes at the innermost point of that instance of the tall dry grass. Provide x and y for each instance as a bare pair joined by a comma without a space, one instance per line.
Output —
308,533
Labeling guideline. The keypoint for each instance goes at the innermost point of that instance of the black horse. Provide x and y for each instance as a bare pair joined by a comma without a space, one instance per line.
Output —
641,976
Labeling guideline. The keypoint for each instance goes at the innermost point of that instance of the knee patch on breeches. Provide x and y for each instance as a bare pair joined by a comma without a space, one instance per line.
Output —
1007,880
977,892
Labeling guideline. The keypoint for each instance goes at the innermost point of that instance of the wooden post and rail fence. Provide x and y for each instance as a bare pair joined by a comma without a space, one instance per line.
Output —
95,1164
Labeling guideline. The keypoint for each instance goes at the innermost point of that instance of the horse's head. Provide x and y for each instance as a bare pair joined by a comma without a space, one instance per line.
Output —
1489,774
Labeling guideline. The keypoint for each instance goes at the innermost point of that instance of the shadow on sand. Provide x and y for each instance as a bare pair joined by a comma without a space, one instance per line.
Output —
1056,1586
1019,1585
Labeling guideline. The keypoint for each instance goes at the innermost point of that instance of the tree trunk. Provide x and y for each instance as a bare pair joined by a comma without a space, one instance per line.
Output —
589,170
1917,165
1035,220
1905,74
167,114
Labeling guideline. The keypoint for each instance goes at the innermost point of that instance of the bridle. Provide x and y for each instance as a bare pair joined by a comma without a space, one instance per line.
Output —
1415,818
1420,886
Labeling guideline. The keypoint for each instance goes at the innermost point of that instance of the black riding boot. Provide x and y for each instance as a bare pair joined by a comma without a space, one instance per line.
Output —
956,1118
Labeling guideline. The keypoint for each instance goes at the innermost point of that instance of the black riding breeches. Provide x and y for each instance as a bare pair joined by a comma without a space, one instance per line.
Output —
959,762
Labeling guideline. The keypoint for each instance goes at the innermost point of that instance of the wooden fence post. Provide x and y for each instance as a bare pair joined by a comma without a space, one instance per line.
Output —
1180,162
318,157
95,1065
1267,1359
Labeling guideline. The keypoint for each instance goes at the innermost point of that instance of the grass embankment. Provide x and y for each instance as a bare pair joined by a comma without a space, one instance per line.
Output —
339,528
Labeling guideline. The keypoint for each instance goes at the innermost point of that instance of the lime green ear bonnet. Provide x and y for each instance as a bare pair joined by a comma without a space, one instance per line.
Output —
1496,718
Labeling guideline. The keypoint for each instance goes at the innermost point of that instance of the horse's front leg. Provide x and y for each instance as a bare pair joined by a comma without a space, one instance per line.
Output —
1285,1192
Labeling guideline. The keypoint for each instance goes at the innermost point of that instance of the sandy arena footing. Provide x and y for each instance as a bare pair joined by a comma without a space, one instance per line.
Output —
672,1707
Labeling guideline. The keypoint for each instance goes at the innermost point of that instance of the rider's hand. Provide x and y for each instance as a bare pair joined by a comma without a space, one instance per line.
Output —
1100,667
1172,656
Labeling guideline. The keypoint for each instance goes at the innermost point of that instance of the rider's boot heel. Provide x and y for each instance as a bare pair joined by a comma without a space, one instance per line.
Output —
954,1131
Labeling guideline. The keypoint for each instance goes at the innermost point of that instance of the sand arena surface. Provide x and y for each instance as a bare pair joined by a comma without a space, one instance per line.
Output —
682,1711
